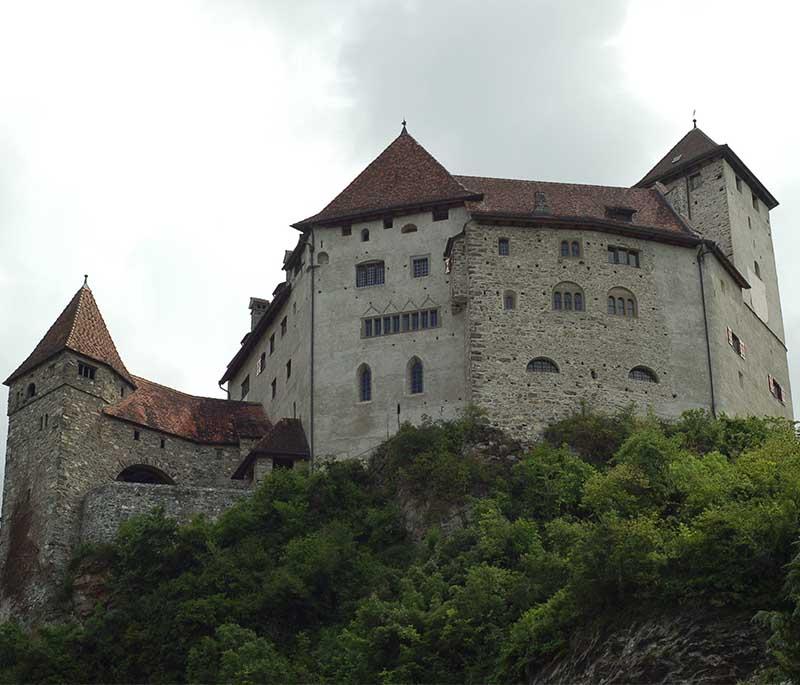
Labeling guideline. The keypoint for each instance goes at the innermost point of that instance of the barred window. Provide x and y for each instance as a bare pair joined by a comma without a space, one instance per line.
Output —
369,274
643,374
503,247
542,365
419,267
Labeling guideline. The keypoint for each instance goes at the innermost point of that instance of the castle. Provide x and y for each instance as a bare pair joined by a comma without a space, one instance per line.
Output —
413,293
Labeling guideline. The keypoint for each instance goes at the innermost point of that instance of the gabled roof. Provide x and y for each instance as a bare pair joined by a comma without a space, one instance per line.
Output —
404,175
512,198
79,328
696,147
286,439
204,420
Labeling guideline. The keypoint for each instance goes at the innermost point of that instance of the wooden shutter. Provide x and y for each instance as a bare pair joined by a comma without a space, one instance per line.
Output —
730,336
742,350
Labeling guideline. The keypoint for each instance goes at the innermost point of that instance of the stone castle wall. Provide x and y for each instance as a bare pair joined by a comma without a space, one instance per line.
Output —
108,506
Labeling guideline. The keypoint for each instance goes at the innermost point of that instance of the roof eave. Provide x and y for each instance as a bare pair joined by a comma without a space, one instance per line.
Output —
21,372
731,157
376,213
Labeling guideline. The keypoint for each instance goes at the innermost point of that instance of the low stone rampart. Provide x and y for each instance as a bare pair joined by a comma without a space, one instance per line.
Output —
107,506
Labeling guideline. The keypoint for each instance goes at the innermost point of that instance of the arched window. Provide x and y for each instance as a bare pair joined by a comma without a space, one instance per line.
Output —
642,373
509,300
542,365
415,376
622,302
322,258
408,228
142,473
565,248
364,235
757,269
576,248
364,383
31,390
568,297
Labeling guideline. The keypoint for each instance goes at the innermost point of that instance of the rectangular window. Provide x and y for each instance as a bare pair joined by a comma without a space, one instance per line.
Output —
739,184
396,323
406,322
633,258
347,230
388,222
621,255
271,343
163,443
415,321
775,388
737,345
419,267
135,435
245,387
441,214
387,325
369,274
367,328
376,326
755,201
274,387
86,371
424,319
283,326
434,318
288,369
695,181
503,247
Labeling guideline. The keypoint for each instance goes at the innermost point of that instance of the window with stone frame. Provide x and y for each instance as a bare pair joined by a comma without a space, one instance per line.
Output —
775,389
736,343
245,387
623,255
509,300
364,383
369,274
416,382
420,266
568,297
503,247
622,302
86,370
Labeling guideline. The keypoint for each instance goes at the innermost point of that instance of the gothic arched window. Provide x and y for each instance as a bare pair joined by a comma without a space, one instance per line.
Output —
415,376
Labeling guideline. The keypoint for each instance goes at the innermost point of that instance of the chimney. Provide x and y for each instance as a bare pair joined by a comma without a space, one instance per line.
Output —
257,309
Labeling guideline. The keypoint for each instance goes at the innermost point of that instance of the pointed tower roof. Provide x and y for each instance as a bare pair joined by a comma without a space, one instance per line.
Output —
696,147
405,175
79,328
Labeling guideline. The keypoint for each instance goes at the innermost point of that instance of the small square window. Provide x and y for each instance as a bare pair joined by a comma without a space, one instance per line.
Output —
441,214
388,222
347,230
419,267
86,371
503,247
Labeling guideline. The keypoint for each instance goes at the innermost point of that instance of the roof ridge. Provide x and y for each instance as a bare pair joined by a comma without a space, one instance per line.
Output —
67,342
187,394
555,183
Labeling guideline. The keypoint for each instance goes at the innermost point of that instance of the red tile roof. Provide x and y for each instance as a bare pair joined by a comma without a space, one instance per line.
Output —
203,420
80,328
518,198
286,439
696,147
404,174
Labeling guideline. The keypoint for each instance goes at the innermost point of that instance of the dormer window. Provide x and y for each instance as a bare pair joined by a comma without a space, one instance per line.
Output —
86,371
620,214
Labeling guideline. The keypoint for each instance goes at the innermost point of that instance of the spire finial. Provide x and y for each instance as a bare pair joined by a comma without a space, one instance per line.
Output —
404,126
694,118
85,280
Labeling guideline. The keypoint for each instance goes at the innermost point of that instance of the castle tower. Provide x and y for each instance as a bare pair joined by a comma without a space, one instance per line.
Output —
723,200
55,399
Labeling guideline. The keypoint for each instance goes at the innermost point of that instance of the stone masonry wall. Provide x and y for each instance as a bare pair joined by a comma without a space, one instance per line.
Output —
594,350
109,505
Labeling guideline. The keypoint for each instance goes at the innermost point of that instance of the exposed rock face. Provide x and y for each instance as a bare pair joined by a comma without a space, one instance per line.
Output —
682,648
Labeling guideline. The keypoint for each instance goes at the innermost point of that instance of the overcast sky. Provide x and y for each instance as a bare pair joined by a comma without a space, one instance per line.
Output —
164,147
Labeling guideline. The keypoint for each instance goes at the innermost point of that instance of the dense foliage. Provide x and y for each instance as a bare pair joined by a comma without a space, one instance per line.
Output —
316,578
